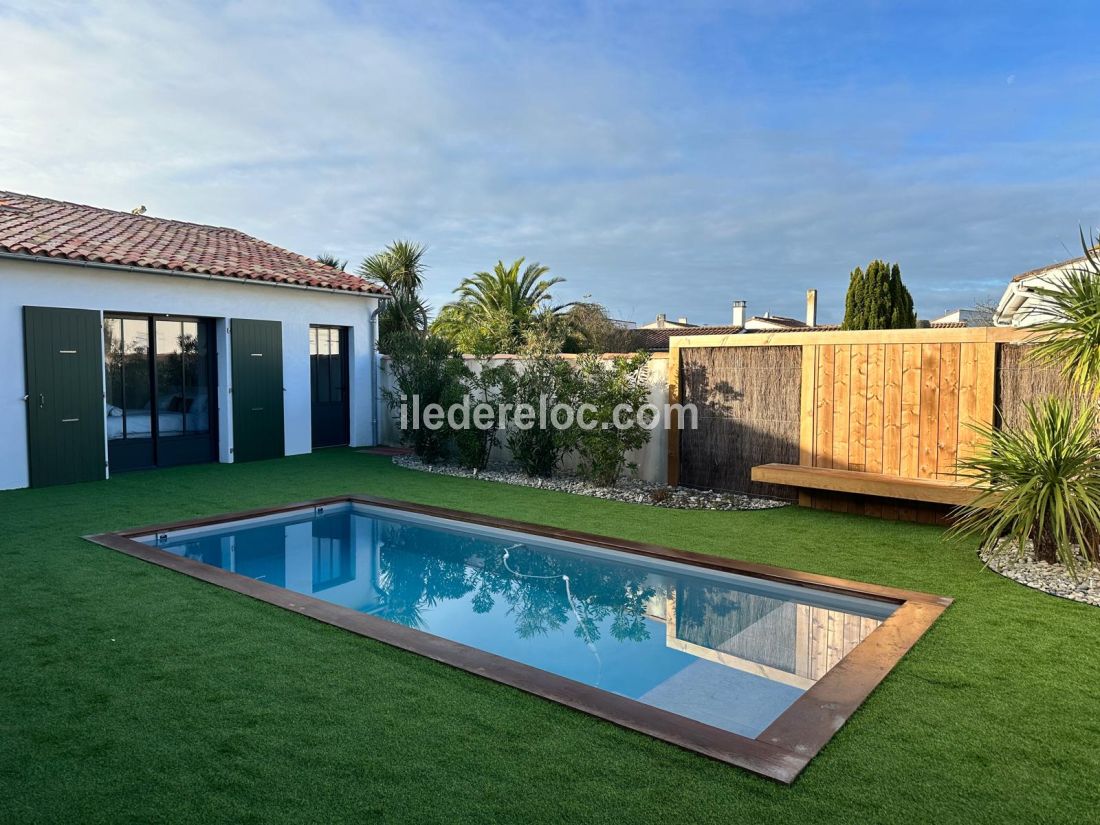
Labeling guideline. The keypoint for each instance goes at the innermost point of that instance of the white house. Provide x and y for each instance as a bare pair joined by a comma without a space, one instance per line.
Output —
965,317
1020,306
131,342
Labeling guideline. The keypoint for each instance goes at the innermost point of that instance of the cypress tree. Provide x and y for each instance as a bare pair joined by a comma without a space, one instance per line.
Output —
854,301
878,299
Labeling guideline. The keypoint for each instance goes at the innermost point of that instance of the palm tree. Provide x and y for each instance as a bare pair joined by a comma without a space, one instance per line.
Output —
504,303
331,260
1069,335
400,268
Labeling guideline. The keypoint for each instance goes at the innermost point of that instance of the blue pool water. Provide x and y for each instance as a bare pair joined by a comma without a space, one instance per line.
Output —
728,650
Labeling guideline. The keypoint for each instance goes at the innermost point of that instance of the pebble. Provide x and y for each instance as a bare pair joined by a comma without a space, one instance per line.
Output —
633,491
1054,579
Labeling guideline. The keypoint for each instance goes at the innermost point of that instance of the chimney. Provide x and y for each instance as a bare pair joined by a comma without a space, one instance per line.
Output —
811,307
738,314
661,318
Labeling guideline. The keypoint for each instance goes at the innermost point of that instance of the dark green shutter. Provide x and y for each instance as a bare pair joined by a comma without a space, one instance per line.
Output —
257,363
64,364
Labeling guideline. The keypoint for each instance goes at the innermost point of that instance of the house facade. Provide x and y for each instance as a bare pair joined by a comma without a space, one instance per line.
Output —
133,342
1020,306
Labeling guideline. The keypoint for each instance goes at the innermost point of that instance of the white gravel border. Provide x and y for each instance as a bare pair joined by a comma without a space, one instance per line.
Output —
633,491
1039,575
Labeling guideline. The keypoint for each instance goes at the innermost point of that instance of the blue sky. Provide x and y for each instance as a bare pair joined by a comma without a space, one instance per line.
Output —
664,157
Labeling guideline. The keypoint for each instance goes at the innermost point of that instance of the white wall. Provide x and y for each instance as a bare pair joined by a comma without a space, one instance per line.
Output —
652,460
29,283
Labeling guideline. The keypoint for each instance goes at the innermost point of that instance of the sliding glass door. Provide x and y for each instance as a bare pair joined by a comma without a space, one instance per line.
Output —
160,407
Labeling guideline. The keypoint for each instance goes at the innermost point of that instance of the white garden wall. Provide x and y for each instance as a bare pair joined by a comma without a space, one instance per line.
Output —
652,460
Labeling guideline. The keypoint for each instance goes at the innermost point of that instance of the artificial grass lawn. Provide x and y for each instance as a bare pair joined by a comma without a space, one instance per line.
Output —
131,693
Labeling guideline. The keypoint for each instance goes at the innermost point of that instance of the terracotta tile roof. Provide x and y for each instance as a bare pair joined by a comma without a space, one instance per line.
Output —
57,229
656,340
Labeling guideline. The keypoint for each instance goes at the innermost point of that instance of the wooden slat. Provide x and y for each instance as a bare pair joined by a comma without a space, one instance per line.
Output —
819,639
891,408
842,367
802,638
834,639
857,410
987,382
947,446
824,450
929,410
876,385
933,490
910,410
968,399
806,438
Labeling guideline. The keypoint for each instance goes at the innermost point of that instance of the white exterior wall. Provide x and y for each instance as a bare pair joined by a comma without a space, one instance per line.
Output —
652,459
31,283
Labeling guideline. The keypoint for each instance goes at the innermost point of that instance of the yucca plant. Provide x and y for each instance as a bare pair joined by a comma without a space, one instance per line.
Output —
1068,332
1040,482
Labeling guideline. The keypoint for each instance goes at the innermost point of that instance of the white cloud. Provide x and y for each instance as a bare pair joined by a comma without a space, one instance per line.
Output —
535,133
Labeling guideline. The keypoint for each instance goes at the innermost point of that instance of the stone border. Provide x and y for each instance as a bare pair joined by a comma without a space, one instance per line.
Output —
1053,579
631,491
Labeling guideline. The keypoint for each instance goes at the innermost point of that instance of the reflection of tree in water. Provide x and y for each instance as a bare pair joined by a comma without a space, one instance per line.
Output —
420,567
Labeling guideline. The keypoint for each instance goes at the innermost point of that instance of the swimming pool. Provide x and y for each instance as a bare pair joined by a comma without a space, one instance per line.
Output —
754,665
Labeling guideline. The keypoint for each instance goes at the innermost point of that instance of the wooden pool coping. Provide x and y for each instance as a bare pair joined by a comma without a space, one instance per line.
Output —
780,752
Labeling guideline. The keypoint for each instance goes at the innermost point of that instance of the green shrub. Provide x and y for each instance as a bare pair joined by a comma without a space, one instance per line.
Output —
1041,482
547,379
474,443
426,366
604,385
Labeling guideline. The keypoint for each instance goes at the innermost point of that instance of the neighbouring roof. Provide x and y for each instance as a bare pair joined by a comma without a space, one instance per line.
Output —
781,321
656,340
1031,273
57,229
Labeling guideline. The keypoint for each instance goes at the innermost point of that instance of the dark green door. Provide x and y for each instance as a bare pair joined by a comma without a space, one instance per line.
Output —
257,356
328,376
64,395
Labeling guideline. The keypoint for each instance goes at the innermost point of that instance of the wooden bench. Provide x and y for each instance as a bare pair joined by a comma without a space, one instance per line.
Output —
936,491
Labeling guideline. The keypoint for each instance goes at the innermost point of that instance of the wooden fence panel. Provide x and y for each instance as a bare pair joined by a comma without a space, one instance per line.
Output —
896,402
900,409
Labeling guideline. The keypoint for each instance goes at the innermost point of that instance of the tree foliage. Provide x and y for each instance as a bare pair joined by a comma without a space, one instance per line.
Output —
490,384
331,260
586,327
546,380
1040,482
878,299
425,366
400,268
607,384
1069,331
495,309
